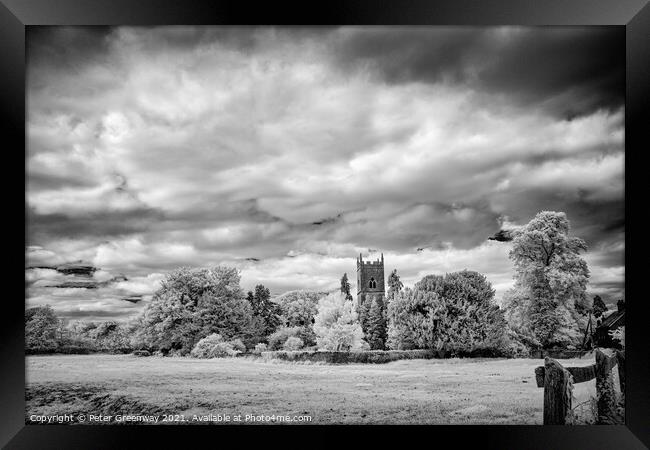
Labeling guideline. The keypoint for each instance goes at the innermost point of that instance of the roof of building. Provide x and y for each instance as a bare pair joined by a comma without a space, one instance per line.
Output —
615,319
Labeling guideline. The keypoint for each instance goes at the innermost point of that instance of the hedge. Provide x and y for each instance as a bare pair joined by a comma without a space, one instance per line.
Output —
558,353
482,352
67,349
74,350
366,356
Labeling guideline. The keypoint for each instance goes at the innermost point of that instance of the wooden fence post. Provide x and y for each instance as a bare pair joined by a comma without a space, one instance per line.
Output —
558,386
539,376
620,356
605,388
558,389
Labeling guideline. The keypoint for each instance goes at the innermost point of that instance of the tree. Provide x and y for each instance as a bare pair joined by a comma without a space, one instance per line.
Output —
515,312
394,284
549,295
82,327
298,308
456,311
260,301
336,324
472,319
466,287
194,303
41,326
110,336
277,339
363,313
213,346
345,287
266,313
293,343
78,334
412,318
598,307
376,336
138,334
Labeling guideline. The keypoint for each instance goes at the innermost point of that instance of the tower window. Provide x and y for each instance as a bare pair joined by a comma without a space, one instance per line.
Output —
372,283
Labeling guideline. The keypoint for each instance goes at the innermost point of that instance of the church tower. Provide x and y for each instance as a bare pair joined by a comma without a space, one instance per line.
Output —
370,279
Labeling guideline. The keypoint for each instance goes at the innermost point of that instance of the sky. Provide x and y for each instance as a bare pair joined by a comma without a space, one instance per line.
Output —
287,152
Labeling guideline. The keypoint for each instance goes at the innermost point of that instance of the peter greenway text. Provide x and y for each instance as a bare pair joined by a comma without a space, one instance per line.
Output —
167,418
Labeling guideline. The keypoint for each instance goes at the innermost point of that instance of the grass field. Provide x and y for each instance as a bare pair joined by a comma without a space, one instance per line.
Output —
439,391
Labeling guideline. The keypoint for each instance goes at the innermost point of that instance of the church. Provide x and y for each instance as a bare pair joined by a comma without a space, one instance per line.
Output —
370,279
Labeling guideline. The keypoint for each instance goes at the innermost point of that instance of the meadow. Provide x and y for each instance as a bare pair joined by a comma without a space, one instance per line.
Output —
436,391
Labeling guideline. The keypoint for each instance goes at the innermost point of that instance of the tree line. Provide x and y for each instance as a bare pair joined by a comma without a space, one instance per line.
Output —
201,311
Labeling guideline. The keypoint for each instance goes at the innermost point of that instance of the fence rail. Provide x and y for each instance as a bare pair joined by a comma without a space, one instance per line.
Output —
558,382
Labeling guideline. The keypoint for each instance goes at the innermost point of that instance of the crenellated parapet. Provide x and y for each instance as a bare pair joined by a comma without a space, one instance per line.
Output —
377,262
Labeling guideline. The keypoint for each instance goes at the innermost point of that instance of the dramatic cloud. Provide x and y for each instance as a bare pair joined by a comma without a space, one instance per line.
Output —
564,70
286,152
